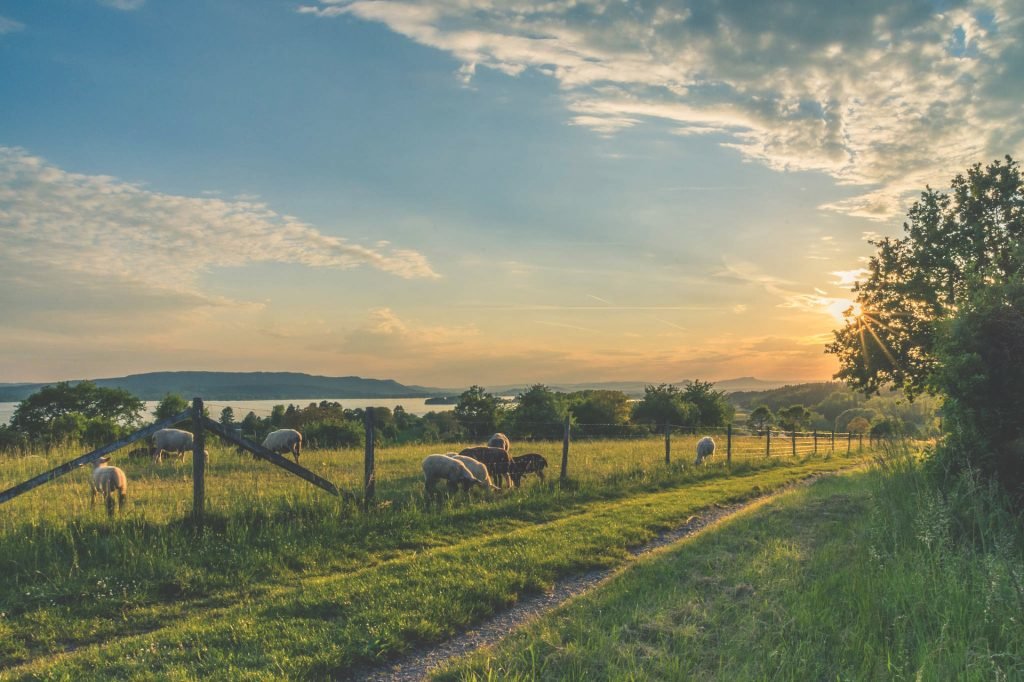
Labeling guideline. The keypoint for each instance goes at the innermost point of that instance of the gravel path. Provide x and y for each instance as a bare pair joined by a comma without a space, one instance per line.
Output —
417,664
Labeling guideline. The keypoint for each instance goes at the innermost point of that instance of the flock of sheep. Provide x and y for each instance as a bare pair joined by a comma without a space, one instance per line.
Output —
480,465
108,480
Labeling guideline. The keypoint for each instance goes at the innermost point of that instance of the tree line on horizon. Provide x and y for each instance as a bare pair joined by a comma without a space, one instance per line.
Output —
90,415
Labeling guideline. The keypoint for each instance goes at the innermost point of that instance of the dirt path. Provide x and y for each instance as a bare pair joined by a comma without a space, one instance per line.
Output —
417,664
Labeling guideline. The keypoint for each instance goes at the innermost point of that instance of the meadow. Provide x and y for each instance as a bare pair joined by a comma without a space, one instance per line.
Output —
873,575
283,580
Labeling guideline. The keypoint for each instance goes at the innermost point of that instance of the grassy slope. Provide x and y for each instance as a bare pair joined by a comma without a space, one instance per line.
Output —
859,577
361,587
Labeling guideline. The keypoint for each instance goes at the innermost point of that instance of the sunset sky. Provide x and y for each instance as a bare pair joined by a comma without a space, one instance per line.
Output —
455,192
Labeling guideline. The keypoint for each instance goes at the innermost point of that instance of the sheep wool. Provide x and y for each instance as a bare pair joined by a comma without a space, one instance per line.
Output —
284,440
705,448
476,468
443,467
171,440
499,440
107,480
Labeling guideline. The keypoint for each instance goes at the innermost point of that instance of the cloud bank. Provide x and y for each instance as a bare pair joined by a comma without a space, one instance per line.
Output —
93,225
884,96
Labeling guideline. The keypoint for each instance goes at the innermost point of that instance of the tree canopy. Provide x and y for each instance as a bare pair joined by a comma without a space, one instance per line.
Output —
477,411
665,404
955,244
81,411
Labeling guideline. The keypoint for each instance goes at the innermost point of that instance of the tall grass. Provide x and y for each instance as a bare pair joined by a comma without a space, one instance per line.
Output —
881,575
73,576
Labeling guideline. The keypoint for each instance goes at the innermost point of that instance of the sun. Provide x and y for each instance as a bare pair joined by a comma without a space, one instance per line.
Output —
839,306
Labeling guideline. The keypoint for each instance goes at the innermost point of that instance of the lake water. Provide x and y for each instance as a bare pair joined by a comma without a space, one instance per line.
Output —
262,408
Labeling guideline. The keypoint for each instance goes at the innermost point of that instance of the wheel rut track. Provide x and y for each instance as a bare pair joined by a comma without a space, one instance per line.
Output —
419,663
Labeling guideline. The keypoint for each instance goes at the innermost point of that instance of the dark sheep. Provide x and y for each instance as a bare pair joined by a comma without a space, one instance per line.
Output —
530,463
496,460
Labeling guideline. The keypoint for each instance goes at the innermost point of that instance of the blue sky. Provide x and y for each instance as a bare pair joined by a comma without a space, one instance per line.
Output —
449,193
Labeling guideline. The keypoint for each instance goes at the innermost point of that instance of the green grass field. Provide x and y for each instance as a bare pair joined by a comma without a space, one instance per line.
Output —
860,577
287,581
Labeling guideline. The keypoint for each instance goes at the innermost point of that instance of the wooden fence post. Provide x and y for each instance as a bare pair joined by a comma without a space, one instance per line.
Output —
794,441
815,441
849,441
860,443
369,471
565,450
768,443
198,460
668,444
728,445
833,440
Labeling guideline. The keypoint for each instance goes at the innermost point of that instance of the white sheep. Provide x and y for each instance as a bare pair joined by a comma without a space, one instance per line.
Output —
705,448
172,440
499,440
107,480
477,468
443,467
284,440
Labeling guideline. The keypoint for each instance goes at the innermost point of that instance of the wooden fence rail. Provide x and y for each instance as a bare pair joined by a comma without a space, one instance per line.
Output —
90,457
271,457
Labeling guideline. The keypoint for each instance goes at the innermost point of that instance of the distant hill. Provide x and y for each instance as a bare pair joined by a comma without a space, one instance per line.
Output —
242,386
802,394
635,389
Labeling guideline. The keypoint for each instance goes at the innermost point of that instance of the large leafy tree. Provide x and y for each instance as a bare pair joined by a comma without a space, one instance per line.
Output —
665,404
477,412
761,418
955,244
170,405
794,417
66,411
601,407
538,413
713,407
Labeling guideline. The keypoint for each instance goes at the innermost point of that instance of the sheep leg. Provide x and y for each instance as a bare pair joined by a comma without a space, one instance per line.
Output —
110,504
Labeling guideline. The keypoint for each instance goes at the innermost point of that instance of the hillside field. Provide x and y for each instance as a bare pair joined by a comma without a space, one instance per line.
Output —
285,580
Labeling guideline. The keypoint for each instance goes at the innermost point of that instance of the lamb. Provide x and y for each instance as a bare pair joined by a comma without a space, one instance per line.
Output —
705,448
499,440
496,460
284,440
438,467
476,468
107,480
172,440
530,463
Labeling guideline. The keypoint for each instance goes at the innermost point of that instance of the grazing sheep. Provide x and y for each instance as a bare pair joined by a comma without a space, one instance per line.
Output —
172,440
284,440
496,460
438,467
530,463
476,468
107,480
705,448
499,440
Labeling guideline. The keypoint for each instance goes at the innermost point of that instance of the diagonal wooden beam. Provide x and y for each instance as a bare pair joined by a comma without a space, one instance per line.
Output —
68,467
271,457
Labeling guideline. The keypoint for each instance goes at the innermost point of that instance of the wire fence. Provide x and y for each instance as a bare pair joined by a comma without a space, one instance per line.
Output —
586,454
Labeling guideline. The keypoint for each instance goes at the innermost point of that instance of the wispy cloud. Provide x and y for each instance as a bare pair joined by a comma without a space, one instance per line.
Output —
888,96
126,5
113,230
10,26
